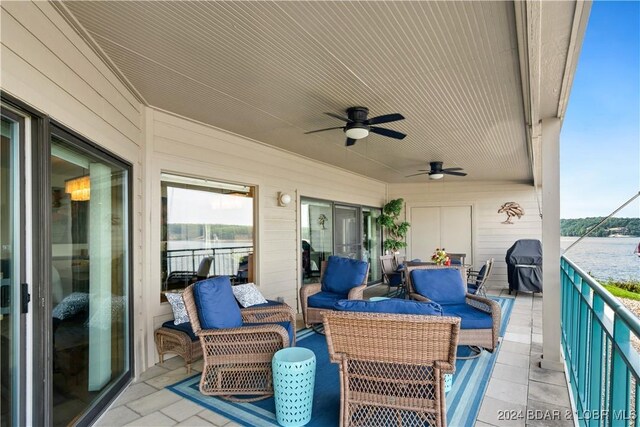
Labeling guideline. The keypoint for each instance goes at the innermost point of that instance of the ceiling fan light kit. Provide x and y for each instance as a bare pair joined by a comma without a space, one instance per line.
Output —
357,132
436,176
359,127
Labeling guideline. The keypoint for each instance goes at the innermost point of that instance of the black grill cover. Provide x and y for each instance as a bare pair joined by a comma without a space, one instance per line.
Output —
524,266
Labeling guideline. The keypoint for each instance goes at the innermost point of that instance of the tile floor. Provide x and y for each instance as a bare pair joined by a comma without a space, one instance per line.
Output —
519,393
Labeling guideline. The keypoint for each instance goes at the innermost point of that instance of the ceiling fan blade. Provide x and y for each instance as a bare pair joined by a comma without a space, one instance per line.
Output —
322,130
448,172
350,142
387,132
385,119
421,173
335,116
452,169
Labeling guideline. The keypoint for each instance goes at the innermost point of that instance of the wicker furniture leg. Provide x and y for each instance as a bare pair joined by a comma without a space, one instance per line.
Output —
177,342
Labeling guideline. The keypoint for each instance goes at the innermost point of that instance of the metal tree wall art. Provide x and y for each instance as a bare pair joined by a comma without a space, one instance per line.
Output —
512,209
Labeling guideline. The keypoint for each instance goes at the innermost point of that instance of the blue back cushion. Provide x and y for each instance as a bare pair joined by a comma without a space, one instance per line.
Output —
442,285
343,274
481,274
394,305
217,307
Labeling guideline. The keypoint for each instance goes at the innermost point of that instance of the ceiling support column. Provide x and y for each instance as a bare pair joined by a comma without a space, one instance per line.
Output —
551,304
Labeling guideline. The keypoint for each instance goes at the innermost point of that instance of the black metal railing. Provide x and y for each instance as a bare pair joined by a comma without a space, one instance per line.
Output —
225,261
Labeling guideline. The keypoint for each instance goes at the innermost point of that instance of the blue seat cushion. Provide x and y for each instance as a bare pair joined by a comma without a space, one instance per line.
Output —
392,305
286,325
343,274
324,299
472,289
471,317
183,327
216,305
442,285
395,279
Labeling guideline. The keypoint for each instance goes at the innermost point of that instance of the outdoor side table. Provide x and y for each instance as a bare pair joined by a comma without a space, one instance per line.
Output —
294,374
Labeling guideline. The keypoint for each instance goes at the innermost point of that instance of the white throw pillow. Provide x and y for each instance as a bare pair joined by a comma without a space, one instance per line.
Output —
177,305
248,295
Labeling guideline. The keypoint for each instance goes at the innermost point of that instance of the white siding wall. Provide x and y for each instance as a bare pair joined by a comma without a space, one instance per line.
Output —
48,66
490,238
182,146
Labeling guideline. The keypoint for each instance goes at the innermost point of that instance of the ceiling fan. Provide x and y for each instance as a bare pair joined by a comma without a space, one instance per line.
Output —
358,126
436,171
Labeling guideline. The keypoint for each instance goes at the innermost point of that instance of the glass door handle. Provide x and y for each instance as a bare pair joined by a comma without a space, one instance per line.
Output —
25,297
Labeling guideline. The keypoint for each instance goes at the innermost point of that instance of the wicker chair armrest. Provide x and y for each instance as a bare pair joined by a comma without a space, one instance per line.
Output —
248,332
272,314
485,304
489,306
446,367
418,297
357,292
307,290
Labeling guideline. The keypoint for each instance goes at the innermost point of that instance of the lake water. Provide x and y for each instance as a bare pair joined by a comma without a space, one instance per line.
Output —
605,257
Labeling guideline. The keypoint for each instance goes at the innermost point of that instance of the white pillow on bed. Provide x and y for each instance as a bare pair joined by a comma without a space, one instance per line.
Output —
248,295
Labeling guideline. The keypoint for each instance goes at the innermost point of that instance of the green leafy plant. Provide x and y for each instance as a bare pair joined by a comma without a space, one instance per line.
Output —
396,229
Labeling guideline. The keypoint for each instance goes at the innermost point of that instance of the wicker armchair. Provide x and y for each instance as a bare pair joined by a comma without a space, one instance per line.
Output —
313,315
383,379
237,361
485,337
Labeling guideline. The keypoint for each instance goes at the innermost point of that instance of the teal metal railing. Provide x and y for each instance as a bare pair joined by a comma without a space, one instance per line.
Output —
603,365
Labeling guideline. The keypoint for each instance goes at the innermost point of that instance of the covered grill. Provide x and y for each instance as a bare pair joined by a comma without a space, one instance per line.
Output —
524,266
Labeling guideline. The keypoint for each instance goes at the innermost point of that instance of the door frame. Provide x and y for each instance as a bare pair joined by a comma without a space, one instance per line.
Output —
38,372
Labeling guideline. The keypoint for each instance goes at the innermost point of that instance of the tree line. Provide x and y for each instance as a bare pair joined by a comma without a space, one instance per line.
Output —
612,226
214,231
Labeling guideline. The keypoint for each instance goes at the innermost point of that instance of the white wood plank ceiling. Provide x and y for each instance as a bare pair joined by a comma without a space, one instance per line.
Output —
268,71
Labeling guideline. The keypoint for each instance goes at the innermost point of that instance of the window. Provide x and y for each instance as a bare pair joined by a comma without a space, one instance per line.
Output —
206,230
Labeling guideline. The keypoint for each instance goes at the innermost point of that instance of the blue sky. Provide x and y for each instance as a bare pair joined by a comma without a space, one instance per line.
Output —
600,139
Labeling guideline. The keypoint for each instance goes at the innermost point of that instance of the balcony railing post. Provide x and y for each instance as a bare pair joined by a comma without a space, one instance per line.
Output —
620,384
583,336
595,368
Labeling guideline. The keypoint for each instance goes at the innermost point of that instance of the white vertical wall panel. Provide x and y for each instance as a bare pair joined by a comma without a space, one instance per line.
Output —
490,238
424,231
187,147
47,65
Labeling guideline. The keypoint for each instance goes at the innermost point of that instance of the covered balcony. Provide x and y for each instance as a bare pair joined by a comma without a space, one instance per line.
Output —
222,98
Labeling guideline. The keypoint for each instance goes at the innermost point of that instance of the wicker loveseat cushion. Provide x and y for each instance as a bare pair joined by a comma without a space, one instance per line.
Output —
343,274
325,300
443,285
394,306
183,327
216,305
470,317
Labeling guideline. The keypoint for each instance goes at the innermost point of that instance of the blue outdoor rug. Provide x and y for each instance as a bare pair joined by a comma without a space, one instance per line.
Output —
463,401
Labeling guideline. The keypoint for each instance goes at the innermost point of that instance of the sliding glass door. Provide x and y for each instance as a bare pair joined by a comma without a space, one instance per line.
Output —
11,271
89,277
349,231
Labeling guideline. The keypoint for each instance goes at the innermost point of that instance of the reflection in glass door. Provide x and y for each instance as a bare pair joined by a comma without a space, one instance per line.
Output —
89,277
346,231
372,246
10,270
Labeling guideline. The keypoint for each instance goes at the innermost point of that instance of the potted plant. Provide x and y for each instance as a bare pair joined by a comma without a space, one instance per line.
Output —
396,230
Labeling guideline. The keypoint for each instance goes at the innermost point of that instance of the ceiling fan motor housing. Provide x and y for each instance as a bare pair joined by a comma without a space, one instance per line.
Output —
357,114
